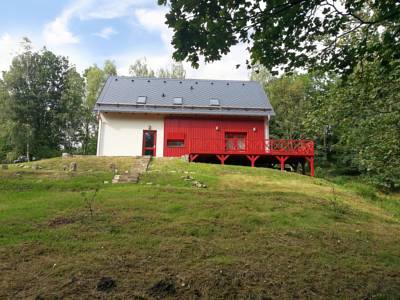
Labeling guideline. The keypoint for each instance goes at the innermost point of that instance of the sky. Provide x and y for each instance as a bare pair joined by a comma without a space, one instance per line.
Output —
91,31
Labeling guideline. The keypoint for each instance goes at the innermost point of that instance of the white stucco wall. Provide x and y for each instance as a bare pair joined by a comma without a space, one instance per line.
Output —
121,134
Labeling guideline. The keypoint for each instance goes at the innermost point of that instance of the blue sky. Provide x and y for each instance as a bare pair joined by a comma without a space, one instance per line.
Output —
90,31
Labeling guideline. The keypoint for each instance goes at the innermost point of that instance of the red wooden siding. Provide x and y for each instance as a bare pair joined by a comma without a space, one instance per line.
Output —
200,130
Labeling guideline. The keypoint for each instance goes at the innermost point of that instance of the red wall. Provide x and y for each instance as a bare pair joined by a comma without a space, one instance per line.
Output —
203,130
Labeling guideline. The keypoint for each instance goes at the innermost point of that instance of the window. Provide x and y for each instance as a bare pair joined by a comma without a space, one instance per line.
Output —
141,99
178,100
214,102
175,143
235,141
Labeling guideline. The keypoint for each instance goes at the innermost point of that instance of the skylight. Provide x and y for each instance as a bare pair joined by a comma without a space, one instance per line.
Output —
214,102
141,99
178,100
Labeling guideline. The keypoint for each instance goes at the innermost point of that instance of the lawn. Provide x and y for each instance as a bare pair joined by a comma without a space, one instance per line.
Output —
251,233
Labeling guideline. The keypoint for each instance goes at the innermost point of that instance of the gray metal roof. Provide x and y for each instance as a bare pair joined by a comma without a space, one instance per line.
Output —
241,98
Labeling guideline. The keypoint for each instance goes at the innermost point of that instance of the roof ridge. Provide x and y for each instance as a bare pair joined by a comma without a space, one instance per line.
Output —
179,79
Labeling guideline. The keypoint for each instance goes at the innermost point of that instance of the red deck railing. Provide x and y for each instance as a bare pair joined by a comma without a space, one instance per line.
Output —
258,147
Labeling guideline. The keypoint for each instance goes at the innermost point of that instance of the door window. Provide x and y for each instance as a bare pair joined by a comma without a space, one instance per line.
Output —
235,141
149,142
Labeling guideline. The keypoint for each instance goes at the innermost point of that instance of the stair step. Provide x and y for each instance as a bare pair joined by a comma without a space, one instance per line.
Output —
139,166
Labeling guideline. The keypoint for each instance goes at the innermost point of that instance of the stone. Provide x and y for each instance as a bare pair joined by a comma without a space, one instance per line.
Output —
198,184
66,155
73,167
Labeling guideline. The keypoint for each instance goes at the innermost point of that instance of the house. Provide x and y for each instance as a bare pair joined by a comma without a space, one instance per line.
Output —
220,119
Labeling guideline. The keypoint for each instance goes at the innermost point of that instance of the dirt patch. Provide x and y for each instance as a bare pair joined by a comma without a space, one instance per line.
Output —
162,289
106,284
59,221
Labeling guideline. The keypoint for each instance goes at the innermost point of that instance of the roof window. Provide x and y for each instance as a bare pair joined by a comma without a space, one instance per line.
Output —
214,102
178,100
141,99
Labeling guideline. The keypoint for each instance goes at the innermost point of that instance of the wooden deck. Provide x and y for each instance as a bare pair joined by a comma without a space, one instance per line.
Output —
282,151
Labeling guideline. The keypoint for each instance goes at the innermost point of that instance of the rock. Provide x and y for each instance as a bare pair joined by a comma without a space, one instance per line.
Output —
73,167
66,155
162,289
4,166
198,184
106,284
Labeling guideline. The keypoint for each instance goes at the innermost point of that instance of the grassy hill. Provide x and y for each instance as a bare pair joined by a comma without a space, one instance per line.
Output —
251,233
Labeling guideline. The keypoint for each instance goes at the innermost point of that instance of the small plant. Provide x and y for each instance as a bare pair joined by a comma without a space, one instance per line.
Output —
338,209
89,199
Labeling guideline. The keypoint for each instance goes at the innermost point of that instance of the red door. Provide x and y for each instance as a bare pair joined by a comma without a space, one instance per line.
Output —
149,142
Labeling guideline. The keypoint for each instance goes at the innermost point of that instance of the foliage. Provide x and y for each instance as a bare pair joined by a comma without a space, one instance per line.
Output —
140,68
287,34
368,126
95,78
289,96
42,91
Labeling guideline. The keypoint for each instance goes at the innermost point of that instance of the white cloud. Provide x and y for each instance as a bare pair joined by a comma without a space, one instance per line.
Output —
8,48
153,20
106,32
57,32
106,9
224,68
59,38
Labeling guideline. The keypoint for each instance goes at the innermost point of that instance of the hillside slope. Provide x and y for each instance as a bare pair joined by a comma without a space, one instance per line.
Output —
250,233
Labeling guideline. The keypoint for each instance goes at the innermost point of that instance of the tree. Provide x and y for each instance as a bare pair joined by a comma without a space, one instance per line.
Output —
95,78
287,33
140,68
38,93
72,113
289,96
177,71
110,69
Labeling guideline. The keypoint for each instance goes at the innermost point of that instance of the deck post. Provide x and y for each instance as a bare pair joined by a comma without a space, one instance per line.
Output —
192,157
282,160
252,159
222,158
311,164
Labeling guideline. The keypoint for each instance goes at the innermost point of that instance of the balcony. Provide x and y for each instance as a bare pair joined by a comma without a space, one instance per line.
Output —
237,146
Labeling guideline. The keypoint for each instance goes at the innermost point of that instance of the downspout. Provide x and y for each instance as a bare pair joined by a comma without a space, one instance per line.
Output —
99,135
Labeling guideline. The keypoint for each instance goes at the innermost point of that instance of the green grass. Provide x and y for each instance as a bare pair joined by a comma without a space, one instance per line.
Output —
252,233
